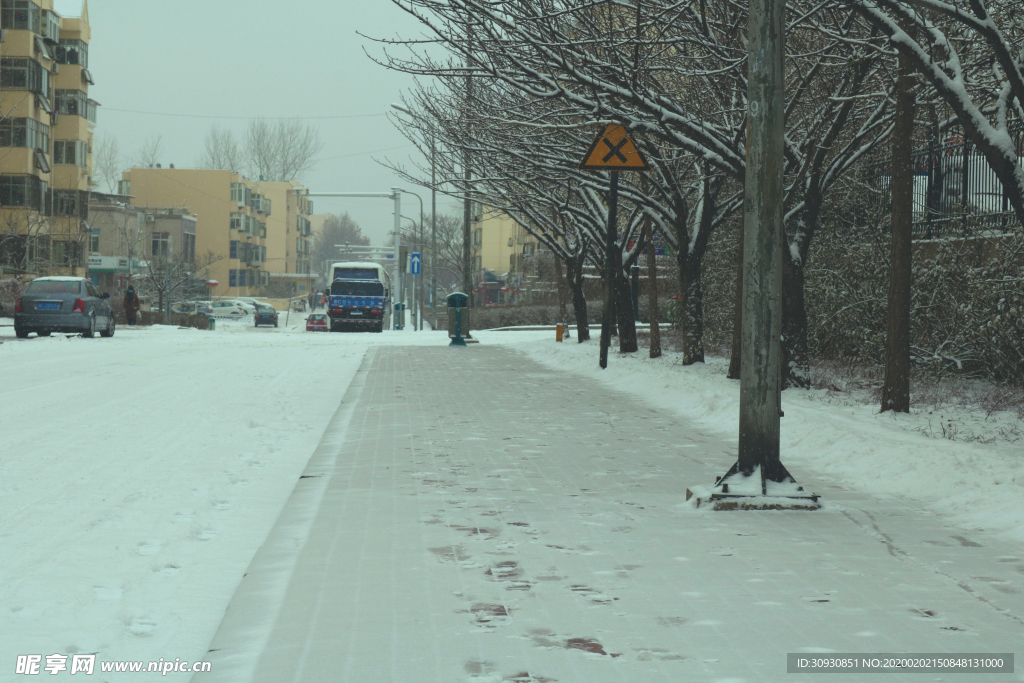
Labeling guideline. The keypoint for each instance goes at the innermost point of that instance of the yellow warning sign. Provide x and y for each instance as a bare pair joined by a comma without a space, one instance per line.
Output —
613,150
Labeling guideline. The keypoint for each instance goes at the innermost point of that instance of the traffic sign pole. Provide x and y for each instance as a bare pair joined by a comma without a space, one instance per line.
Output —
609,267
613,151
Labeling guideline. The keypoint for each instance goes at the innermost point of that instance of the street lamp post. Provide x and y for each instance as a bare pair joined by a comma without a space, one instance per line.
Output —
433,215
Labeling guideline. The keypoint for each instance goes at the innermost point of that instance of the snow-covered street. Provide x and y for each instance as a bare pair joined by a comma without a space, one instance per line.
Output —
504,512
140,474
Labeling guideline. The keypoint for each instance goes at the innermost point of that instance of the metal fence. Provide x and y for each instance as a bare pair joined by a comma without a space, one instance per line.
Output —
956,193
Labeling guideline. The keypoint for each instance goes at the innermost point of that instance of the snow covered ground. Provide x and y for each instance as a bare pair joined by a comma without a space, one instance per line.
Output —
975,485
139,475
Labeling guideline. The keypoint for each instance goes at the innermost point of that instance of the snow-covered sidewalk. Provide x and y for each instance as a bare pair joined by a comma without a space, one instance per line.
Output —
974,484
476,516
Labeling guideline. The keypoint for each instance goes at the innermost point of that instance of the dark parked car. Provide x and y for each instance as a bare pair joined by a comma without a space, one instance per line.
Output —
265,315
63,304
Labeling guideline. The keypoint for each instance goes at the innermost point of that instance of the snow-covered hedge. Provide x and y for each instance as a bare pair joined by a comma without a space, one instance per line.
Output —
968,301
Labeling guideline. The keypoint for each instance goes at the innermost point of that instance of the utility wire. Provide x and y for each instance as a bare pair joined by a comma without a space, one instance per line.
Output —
245,118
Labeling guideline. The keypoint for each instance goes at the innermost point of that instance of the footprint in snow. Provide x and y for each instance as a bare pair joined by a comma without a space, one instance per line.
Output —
142,627
204,533
150,547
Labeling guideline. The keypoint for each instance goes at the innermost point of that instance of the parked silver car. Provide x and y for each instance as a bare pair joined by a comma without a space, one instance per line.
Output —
63,304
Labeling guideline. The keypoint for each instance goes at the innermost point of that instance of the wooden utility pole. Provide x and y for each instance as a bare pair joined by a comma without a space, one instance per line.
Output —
763,242
896,389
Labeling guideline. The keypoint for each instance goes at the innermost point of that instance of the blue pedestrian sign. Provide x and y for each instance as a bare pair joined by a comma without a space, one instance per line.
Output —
415,263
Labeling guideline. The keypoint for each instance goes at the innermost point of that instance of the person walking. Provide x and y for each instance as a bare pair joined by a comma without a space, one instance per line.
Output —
131,305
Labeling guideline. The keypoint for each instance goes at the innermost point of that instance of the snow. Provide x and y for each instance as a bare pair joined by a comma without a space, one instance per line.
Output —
61,278
973,485
140,474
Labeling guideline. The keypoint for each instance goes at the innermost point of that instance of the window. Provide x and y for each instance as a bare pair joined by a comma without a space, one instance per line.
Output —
232,279
161,244
263,229
24,133
52,287
236,221
50,25
94,240
74,103
72,51
70,152
238,193
124,187
241,278
90,289
234,249
25,74
478,236
70,203
263,254
19,15
67,253
22,190
303,226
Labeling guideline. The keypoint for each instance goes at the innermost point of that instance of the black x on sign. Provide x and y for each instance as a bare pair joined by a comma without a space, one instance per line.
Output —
613,150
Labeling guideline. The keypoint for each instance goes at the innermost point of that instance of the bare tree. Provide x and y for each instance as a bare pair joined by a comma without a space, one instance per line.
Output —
280,151
675,75
172,273
148,154
337,229
221,150
106,162
449,252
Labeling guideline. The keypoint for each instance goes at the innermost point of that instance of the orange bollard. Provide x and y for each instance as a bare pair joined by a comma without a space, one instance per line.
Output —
559,332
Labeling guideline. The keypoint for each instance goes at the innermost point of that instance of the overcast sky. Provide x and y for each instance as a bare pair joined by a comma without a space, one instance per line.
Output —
196,58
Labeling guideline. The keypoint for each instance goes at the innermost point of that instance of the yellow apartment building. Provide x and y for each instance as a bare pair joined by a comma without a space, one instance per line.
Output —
46,128
289,238
254,236
501,249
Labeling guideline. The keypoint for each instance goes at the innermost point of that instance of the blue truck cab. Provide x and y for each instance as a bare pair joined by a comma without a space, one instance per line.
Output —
357,304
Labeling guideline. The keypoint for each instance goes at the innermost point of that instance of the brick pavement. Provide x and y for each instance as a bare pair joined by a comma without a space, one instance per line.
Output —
472,516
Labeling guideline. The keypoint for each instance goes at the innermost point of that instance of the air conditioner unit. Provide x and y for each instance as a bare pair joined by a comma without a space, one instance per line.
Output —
510,241
56,67
150,218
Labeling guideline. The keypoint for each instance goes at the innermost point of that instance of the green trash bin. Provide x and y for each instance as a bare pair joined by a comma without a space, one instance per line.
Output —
399,316
458,318
213,323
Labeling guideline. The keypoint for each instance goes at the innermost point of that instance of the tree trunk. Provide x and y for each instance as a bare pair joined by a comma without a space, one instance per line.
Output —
624,311
574,268
652,290
693,310
563,314
796,369
737,316
896,388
